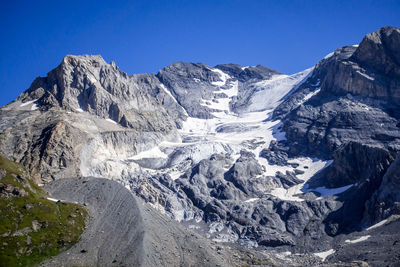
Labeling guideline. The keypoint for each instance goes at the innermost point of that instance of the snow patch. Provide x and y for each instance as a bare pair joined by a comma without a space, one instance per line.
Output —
323,255
277,133
311,94
251,200
314,166
269,93
168,92
376,225
329,55
112,121
155,152
223,76
92,79
365,75
34,107
324,192
175,174
27,103
222,104
52,199
79,110
362,238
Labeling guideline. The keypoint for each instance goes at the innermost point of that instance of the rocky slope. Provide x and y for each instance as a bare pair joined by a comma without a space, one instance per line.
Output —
33,226
124,231
241,154
353,105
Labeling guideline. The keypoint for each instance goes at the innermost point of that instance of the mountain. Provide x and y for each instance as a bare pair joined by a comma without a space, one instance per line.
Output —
292,165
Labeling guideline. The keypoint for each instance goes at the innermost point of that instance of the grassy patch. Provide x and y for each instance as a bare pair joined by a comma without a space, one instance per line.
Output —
33,228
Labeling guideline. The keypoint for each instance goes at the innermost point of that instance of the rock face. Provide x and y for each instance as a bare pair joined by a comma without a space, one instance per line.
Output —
242,154
189,83
139,237
44,143
195,86
125,231
362,168
348,98
385,201
88,83
379,52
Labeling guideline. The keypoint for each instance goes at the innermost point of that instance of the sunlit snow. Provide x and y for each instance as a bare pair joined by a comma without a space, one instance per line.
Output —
362,238
366,76
112,121
27,103
329,55
52,199
291,194
223,76
34,107
324,192
155,152
323,255
377,225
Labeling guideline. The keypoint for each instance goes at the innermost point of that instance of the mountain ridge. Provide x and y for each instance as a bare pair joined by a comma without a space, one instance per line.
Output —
244,155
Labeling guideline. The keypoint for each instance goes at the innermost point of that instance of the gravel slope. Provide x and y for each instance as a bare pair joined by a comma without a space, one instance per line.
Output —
123,231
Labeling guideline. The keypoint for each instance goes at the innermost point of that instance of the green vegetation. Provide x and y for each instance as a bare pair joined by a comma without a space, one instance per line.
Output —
33,228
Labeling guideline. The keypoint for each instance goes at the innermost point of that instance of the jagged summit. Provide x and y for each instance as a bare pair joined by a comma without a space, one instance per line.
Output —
88,59
380,51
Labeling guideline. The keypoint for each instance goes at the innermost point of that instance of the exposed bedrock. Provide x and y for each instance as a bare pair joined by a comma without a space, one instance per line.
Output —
362,168
89,84
348,99
386,200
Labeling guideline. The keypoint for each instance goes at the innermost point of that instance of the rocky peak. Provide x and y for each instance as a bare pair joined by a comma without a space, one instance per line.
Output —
77,60
188,70
66,84
88,84
380,51
353,94
370,70
245,73
192,84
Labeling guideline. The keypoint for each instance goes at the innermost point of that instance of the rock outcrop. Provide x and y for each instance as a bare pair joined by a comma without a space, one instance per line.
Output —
348,98
385,201
124,231
89,84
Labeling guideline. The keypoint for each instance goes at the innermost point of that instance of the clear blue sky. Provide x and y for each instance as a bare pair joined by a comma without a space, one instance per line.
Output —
145,36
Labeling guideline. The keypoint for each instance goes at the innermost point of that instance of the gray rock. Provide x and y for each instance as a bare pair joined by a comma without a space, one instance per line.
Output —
90,84
124,231
355,102
189,83
385,200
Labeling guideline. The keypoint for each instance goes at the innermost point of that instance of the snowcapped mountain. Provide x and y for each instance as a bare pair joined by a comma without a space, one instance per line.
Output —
241,154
